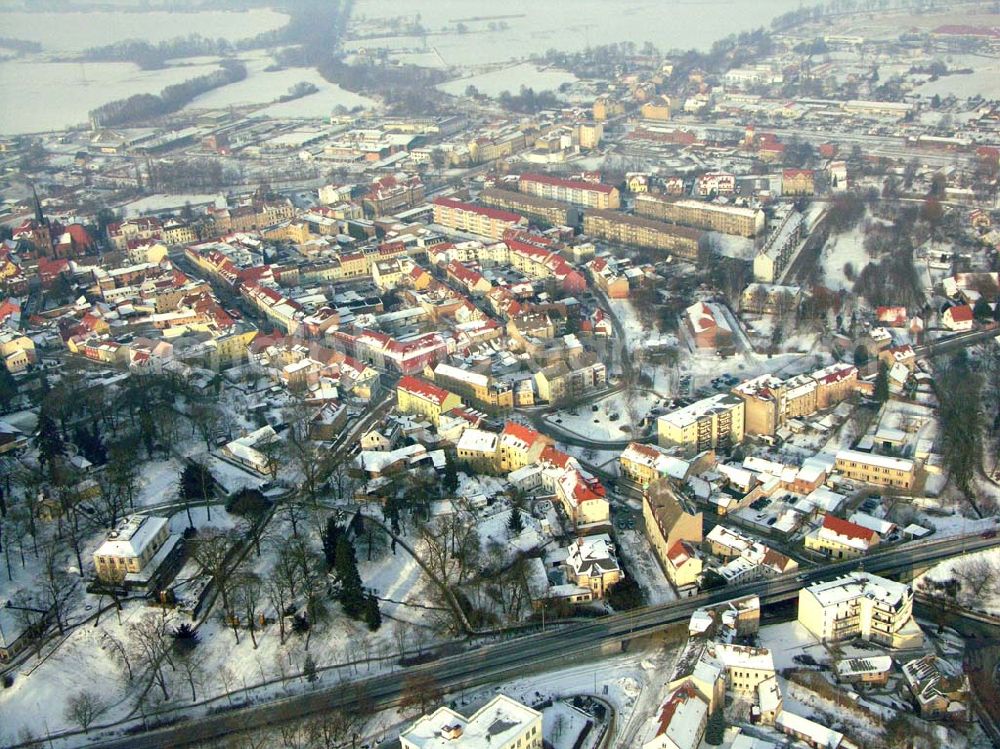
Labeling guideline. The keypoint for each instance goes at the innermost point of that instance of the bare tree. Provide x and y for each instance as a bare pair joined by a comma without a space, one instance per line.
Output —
248,591
421,692
150,645
83,708
56,585
121,654
281,584
212,551
191,666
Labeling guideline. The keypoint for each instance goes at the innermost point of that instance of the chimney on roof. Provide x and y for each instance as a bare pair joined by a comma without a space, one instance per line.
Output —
451,731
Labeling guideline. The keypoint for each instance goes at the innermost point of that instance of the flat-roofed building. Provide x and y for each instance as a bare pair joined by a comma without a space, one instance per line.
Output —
646,233
581,192
859,604
716,422
502,723
553,212
727,219
881,470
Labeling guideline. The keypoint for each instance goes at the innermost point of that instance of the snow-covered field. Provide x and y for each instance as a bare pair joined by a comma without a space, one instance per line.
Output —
840,250
154,203
262,86
510,79
76,31
534,27
984,80
637,336
43,96
584,421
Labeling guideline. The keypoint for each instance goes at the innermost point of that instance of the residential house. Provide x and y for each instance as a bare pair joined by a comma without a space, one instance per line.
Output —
417,396
667,521
841,539
592,563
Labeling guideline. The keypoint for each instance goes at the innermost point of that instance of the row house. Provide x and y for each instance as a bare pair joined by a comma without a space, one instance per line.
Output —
417,396
121,233
393,193
405,356
643,464
471,281
715,183
283,312
668,526
770,402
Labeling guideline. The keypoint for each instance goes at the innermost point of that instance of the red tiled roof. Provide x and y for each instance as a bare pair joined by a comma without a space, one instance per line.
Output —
847,529
960,313
423,389
522,433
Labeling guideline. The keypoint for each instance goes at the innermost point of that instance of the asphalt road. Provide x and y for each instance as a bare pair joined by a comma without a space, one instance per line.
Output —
515,657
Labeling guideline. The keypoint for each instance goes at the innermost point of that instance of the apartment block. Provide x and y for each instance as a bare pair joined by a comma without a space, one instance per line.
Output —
549,211
881,470
486,222
478,390
580,192
728,219
859,604
716,422
502,723
637,231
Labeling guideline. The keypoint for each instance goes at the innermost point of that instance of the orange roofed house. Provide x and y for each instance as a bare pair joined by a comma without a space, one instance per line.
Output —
417,396
841,539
